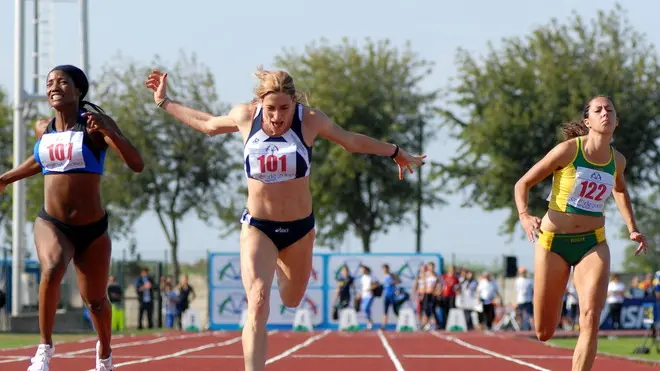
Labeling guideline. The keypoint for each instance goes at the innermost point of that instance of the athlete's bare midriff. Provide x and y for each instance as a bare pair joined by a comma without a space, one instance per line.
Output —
283,201
561,222
73,198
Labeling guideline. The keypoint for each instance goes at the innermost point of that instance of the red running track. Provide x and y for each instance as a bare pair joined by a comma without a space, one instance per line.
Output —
321,351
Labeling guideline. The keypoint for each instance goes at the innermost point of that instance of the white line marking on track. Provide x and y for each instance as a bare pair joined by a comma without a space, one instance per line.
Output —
182,352
531,356
390,351
358,356
446,356
490,352
115,346
297,347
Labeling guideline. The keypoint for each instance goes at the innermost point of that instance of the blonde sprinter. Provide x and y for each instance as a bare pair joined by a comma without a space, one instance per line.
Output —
278,223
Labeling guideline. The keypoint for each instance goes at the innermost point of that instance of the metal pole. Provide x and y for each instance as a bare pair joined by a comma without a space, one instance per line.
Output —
84,43
18,204
35,48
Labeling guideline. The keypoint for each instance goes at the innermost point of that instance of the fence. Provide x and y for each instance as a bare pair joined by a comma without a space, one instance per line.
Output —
227,298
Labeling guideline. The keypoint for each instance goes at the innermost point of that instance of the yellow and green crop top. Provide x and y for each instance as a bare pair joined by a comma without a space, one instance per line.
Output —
583,187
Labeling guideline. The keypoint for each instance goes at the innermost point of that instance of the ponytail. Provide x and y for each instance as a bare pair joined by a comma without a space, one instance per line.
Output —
574,129
96,108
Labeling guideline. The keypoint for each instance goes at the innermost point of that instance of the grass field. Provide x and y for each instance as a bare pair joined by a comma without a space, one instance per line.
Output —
19,340
622,346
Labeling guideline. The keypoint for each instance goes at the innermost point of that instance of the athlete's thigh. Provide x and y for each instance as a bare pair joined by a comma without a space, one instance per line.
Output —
551,273
93,268
294,263
591,276
54,250
258,260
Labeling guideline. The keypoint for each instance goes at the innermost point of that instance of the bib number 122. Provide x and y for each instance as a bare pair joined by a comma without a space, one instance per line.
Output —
587,190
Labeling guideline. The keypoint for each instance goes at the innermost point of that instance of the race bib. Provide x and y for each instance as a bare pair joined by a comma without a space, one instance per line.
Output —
61,152
273,162
591,189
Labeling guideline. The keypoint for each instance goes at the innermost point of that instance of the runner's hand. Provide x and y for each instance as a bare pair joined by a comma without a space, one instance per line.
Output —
405,160
638,237
157,81
531,225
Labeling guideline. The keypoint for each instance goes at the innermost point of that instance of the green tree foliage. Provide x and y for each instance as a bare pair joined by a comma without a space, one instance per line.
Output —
375,90
648,221
6,158
515,98
185,171
34,185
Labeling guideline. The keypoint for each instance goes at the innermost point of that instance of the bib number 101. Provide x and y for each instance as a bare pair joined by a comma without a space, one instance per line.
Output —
271,163
60,151
592,190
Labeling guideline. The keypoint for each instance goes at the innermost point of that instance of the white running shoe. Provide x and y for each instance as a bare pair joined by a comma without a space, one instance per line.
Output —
41,360
102,364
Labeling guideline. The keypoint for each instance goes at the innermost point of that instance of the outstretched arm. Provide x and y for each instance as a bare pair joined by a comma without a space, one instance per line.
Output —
360,143
623,203
29,167
198,120
115,139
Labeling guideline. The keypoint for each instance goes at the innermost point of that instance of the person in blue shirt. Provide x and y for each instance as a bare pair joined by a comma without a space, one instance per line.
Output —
390,283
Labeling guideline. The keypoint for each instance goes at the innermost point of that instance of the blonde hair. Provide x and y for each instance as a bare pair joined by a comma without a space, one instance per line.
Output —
276,82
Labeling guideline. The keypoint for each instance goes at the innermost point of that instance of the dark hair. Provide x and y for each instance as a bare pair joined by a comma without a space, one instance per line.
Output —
81,82
577,128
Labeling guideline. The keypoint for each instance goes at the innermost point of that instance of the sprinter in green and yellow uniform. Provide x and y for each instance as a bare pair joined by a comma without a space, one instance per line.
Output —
586,171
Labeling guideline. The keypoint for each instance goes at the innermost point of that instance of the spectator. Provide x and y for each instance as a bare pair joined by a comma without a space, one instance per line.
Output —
144,285
345,290
116,296
524,299
432,286
390,283
366,293
488,291
572,307
635,291
184,291
448,296
468,291
171,305
615,290
419,287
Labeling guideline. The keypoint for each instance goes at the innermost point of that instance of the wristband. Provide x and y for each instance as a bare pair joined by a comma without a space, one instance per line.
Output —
160,104
396,152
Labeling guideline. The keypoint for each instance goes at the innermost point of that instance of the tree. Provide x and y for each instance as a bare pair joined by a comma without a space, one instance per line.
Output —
374,90
648,221
185,171
6,158
34,185
517,97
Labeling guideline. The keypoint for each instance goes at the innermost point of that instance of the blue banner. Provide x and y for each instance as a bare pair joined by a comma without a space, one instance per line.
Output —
636,314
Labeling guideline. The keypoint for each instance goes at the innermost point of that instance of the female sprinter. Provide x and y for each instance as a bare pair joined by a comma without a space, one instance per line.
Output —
70,152
278,223
586,171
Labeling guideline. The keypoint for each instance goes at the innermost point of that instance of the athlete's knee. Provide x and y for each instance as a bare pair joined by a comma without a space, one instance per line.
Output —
544,331
589,319
292,300
258,301
96,306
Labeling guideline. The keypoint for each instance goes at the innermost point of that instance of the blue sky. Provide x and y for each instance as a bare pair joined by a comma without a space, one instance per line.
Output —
232,38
